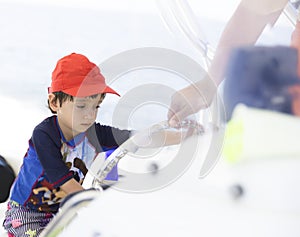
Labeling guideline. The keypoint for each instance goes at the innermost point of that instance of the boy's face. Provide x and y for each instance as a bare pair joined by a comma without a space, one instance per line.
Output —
77,116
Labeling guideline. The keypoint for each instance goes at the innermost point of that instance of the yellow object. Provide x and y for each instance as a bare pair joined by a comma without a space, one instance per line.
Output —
233,145
257,133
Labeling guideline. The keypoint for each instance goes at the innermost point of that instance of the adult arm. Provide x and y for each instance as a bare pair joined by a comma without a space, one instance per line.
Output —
244,28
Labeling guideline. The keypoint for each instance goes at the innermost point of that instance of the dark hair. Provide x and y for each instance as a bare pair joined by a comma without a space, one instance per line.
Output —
62,97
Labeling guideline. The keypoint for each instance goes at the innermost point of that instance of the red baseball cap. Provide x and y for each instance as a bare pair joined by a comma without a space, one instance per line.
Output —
75,75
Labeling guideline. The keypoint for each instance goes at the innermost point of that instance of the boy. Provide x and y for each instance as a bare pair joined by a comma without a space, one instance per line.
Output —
62,146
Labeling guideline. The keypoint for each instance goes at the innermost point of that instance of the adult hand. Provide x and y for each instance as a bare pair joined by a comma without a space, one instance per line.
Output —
190,100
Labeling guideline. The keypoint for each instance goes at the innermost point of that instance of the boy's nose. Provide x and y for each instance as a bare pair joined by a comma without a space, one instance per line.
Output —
89,114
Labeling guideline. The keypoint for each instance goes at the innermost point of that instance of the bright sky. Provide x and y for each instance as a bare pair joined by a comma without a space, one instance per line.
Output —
204,7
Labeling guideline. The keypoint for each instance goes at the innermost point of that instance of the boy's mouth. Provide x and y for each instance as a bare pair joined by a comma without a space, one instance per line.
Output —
86,124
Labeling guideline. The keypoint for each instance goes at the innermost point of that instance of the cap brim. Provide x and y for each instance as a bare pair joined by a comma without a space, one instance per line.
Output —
87,90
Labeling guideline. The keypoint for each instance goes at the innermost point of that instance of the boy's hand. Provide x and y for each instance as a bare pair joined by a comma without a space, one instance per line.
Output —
162,134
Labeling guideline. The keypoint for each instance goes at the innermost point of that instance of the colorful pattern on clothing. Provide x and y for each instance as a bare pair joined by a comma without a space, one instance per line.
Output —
23,222
51,161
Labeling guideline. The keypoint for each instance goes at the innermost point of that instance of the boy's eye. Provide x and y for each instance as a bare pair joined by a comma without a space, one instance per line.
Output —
80,106
98,106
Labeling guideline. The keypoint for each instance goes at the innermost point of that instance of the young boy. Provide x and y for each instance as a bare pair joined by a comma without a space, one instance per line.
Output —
62,146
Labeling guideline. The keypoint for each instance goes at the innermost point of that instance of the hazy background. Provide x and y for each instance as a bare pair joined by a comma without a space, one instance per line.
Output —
35,34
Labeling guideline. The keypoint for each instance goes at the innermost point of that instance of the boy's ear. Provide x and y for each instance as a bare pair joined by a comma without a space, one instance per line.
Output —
53,104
